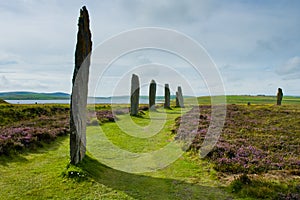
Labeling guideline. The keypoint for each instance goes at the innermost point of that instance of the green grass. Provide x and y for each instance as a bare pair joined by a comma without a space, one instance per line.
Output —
46,174
264,188
140,127
261,140
261,100
244,99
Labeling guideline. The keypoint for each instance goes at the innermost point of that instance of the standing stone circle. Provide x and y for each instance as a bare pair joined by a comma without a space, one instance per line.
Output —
152,95
80,89
167,96
279,96
134,95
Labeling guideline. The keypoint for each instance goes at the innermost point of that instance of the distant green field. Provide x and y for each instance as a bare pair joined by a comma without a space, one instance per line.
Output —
244,99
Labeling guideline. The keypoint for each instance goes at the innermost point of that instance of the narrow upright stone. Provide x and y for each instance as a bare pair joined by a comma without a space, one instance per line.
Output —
167,96
135,95
80,89
177,100
180,97
152,95
279,96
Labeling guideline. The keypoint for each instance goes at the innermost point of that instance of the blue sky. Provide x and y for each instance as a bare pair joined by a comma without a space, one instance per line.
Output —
254,44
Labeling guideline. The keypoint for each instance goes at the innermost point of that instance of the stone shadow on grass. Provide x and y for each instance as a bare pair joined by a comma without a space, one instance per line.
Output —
146,187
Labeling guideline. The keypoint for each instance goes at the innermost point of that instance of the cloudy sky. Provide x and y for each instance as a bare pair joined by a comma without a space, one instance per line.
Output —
254,44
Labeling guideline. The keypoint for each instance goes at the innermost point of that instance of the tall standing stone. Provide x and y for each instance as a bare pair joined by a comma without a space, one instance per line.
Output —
80,89
177,100
180,97
135,95
279,96
152,95
167,96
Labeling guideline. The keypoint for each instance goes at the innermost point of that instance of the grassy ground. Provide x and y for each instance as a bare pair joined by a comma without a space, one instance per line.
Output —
39,175
239,99
44,173
258,149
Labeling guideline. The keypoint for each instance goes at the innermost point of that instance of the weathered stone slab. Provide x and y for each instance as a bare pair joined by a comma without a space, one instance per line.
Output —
80,89
279,96
152,95
177,100
180,97
167,96
134,95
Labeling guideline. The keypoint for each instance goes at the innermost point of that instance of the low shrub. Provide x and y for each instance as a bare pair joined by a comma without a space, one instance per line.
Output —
45,125
244,186
253,139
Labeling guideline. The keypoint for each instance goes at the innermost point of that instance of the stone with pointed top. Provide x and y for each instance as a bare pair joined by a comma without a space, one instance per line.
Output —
80,89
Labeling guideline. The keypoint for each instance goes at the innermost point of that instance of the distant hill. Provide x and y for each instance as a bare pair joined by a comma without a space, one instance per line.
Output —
33,96
24,95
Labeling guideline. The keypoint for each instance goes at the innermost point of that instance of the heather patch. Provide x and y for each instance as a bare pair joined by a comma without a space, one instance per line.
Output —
254,139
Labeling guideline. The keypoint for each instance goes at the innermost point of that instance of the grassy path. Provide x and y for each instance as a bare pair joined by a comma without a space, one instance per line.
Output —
39,175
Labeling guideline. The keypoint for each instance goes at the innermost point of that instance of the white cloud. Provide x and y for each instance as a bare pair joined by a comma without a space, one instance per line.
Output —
37,38
291,67
18,85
